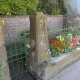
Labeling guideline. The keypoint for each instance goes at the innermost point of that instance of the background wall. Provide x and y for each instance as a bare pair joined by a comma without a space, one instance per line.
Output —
15,25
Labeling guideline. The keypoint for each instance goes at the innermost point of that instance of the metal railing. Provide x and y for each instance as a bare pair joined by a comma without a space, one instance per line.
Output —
17,53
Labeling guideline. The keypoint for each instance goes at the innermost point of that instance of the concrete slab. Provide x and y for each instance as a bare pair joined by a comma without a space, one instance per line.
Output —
70,73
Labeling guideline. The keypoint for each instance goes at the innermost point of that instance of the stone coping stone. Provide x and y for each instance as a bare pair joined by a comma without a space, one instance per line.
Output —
54,60
57,64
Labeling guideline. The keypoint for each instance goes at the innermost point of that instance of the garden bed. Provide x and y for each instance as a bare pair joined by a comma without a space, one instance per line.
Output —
64,41
55,60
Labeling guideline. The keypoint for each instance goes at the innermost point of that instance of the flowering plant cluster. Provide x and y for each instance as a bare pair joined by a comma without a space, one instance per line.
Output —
55,47
62,44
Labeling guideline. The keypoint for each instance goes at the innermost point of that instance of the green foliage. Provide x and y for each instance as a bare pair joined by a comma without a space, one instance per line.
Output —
52,7
62,7
56,12
2,65
23,7
31,6
45,6
1,74
4,7
17,7
54,51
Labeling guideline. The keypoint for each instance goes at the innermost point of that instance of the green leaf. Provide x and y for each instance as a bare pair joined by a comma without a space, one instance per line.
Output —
2,65
1,74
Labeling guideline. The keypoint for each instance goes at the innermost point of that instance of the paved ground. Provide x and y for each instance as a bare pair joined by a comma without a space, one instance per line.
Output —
24,76
71,73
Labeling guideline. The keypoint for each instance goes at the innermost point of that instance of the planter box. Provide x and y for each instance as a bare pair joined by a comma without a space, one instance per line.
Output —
57,64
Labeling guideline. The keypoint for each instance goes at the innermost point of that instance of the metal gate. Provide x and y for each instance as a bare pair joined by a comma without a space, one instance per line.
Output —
17,53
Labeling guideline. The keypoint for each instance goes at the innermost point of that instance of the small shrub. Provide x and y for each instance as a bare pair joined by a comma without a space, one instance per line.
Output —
17,7
52,7
4,7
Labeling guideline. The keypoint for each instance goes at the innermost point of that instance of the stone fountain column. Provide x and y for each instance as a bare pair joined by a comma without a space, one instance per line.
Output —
39,45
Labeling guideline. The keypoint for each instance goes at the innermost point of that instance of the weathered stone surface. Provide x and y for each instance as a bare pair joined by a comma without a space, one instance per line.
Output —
39,38
38,42
56,67
1,37
3,53
1,22
6,73
14,25
1,33
50,69
3,56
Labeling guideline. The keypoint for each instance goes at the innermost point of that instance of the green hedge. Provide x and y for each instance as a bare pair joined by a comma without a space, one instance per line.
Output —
23,7
52,7
17,7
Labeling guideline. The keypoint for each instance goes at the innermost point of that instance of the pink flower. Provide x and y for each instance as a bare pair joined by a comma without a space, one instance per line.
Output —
75,41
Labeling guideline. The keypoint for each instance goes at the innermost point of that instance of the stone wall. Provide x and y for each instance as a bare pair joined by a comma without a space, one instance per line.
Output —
14,25
71,21
54,22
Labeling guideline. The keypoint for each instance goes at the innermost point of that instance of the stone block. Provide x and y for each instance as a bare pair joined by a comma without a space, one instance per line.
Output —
39,46
1,23
1,33
39,38
52,69
45,72
1,38
3,53
3,56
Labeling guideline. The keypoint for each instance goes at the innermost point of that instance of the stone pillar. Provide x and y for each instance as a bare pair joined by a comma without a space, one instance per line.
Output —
3,54
39,51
